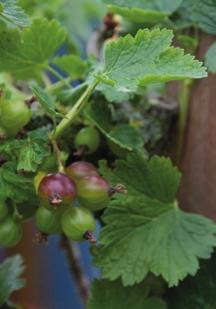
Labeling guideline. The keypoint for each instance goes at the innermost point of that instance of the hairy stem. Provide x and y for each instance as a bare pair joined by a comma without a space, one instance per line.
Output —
57,154
71,115
184,96
73,257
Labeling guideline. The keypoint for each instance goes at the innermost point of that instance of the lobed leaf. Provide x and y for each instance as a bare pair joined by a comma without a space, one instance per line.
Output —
145,231
25,54
131,62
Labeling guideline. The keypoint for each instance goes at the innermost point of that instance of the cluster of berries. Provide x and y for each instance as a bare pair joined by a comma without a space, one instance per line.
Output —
80,185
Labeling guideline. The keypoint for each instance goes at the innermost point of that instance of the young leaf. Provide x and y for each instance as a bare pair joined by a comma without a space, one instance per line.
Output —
145,231
124,136
143,11
25,54
31,155
10,281
210,58
45,100
73,65
147,58
107,295
11,13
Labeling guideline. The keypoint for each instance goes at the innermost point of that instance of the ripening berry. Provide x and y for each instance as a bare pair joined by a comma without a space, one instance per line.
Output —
93,192
80,169
55,190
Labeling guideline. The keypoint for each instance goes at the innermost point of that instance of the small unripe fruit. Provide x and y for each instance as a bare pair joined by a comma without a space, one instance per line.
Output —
48,221
77,222
80,169
3,210
93,192
10,232
55,190
14,116
89,138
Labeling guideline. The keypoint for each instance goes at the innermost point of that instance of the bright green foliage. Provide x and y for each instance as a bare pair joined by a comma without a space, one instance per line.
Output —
28,153
12,14
26,53
113,295
73,65
143,10
148,58
31,155
145,231
10,271
45,100
124,136
210,58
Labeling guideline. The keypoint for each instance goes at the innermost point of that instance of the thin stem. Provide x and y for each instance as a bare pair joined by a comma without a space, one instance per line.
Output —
59,76
58,85
73,257
184,96
57,154
69,117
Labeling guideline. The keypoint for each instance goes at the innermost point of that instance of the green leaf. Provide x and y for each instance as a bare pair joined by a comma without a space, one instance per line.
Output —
13,14
13,185
45,100
147,58
25,54
198,13
204,15
210,58
31,155
107,295
73,65
156,178
143,11
123,135
145,231
114,95
10,271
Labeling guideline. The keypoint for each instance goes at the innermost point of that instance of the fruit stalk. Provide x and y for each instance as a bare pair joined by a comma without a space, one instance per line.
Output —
75,267
69,117
57,154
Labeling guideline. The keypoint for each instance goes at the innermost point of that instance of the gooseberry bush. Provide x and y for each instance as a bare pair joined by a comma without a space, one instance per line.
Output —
83,138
